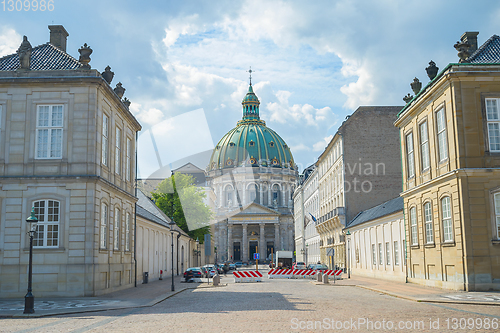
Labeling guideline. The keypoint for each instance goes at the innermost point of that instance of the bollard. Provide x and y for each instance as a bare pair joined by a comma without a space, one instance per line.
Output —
319,277
325,279
216,279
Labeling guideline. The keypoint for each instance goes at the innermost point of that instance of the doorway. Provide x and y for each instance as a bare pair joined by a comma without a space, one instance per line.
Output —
253,248
270,248
236,251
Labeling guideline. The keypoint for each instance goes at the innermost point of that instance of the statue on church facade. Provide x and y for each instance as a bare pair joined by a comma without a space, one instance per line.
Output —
24,52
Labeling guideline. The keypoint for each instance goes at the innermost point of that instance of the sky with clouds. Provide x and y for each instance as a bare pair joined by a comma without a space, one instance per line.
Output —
184,63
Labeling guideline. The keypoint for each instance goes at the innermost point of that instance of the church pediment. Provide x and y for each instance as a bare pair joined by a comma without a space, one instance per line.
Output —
256,209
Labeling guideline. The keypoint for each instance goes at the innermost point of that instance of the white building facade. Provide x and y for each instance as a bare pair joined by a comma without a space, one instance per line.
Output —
377,242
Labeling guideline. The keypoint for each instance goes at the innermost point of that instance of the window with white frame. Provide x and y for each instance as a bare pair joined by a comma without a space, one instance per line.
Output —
380,255
128,163
47,229
424,146
116,234
229,198
374,255
429,228
396,253
127,233
410,159
441,135
388,253
104,226
118,150
105,139
447,222
49,131
413,224
497,213
493,119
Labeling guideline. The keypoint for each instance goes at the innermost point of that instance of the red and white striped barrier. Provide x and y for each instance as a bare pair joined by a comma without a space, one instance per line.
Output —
331,273
247,276
277,273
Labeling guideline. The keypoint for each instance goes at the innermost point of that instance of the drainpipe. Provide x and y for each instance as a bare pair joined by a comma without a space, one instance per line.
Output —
404,214
178,236
135,213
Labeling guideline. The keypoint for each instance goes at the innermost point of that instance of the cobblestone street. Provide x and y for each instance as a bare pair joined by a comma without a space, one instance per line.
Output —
274,306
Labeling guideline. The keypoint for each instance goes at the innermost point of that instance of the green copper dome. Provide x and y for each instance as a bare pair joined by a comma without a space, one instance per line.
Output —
251,142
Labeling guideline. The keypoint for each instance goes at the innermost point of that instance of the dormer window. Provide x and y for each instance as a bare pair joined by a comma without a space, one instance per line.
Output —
251,143
271,144
232,144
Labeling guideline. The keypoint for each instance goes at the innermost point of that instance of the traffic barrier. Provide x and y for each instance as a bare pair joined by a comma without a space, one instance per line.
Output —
332,272
277,273
247,276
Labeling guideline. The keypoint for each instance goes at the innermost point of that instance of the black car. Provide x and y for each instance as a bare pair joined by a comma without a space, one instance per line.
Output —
192,272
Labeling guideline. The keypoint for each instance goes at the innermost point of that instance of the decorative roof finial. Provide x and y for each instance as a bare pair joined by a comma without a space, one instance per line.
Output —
250,71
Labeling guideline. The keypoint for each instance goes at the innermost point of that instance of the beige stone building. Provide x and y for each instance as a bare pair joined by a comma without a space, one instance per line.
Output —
450,138
67,148
360,168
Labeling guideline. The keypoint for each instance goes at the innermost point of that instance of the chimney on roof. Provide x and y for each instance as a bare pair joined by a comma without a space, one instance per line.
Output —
58,36
470,37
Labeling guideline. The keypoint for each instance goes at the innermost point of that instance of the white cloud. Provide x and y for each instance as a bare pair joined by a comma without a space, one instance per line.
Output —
319,146
151,116
300,147
282,112
9,41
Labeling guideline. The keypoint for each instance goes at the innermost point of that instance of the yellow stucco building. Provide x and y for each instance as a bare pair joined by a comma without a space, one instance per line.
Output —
450,144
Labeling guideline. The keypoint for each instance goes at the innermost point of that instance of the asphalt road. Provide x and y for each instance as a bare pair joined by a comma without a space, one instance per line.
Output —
274,306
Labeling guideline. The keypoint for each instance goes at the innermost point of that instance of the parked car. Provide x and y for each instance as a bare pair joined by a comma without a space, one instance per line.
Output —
238,264
192,272
299,265
208,270
232,267
319,267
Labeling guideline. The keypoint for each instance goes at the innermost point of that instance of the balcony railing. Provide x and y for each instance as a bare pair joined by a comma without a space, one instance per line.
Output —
335,212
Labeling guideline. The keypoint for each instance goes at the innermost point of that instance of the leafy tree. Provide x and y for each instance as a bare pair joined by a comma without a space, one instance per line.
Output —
181,200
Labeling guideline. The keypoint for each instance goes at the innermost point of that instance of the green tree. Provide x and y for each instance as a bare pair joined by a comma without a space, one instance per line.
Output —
181,200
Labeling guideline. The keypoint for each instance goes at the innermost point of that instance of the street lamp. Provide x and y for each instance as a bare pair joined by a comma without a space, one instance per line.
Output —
172,223
348,234
197,251
29,299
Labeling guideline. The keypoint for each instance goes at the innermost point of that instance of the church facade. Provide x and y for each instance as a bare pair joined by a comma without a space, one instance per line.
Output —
253,176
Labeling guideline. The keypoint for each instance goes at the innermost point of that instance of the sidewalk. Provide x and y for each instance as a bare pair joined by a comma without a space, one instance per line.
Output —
418,293
144,295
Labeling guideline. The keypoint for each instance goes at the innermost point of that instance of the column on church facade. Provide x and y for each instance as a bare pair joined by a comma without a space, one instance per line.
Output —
277,237
261,194
269,196
290,238
229,241
283,195
244,245
262,242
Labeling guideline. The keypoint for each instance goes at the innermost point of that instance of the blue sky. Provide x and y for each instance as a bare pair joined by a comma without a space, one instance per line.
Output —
314,62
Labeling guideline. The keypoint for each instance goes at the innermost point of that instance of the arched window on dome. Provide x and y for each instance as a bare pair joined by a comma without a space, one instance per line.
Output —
229,197
276,195
253,193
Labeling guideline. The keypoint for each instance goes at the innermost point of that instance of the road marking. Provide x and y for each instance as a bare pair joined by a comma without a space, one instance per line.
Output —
460,310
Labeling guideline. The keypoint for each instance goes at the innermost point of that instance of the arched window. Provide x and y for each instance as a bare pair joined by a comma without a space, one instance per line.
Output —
276,195
446,218
429,229
229,197
254,193
127,232
413,224
117,229
47,231
104,226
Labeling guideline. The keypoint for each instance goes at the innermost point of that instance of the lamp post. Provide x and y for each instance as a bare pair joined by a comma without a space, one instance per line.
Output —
29,299
197,251
348,234
307,247
172,233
